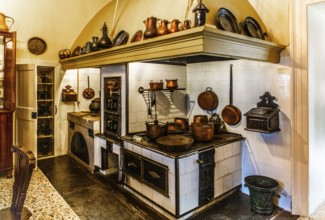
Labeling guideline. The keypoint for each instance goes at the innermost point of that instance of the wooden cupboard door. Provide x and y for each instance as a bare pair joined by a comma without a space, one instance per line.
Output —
6,142
26,107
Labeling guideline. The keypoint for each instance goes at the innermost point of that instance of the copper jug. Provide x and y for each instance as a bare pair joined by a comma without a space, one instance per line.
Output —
186,25
174,26
163,27
3,24
151,27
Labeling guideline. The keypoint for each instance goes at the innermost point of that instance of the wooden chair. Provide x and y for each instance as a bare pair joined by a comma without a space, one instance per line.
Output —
23,168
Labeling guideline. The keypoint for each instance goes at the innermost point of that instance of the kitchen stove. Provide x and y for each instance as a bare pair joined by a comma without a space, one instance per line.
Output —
142,140
82,128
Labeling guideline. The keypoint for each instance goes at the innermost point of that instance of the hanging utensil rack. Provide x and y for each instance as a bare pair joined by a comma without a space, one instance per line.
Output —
149,97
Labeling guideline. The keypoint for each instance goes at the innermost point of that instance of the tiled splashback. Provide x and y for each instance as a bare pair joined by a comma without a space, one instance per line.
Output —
169,104
78,80
263,154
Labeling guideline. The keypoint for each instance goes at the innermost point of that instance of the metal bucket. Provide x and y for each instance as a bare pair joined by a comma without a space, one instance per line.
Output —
261,190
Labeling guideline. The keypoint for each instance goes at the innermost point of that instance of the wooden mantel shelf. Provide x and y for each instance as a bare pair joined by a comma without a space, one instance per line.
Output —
199,42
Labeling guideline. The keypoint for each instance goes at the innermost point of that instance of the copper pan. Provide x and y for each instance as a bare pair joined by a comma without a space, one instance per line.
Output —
208,100
231,114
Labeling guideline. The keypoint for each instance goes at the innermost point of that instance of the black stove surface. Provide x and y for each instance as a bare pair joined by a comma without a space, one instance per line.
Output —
142,140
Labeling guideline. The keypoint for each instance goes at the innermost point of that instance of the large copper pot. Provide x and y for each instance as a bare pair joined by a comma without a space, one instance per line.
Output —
156,129
202,132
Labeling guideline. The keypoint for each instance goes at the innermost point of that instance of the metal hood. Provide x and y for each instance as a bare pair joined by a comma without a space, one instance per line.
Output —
199,44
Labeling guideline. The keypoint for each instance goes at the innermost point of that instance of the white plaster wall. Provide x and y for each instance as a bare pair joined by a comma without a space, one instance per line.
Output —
78,80
263,154
169,105
316,80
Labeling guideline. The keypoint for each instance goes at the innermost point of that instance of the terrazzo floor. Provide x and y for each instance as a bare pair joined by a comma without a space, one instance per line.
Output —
42,199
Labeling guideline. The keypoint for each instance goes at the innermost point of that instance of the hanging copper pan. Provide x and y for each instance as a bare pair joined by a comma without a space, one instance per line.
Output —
88,93
231,114
208,100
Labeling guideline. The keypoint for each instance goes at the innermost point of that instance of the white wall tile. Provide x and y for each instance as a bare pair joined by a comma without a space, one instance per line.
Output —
218,156
218,187
227,183
237,178
227,151
170,163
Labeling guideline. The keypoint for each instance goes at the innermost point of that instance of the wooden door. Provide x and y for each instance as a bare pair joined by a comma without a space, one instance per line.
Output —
26,107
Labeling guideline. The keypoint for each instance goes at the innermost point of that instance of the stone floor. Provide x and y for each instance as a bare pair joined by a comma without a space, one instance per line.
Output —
94,196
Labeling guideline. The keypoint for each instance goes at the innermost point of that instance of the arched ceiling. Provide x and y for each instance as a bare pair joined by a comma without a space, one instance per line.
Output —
60,22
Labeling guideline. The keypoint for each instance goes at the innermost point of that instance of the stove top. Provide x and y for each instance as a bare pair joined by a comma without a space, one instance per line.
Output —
218,140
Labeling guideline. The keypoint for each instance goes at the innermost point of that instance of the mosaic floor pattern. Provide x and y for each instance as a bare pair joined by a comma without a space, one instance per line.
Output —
42,199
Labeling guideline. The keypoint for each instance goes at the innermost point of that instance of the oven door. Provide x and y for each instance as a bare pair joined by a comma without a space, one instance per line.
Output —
156,176
112,126
132,164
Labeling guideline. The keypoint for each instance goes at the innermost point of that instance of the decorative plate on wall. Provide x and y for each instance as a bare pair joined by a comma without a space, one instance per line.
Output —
225,20
253,29
37,45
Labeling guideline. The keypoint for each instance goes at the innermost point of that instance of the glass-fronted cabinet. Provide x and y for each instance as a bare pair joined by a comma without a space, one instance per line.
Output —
7,98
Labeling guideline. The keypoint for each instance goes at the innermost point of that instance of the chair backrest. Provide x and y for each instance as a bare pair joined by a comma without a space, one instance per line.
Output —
24,164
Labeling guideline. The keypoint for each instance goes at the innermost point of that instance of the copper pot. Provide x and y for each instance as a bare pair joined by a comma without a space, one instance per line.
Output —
202,132
154,86
173,127
156,130
183,122
95,105
171,84
199,119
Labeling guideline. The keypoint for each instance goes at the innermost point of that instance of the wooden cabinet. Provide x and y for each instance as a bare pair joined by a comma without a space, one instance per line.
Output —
7,98
36,109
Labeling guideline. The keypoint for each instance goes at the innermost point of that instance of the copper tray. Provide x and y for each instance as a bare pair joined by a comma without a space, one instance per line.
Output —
175,143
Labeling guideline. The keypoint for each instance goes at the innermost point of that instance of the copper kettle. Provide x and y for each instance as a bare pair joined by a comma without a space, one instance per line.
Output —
3,24
163,27
151,27
174,26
